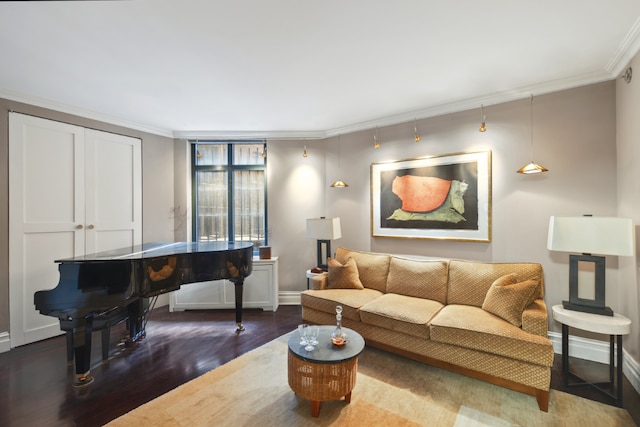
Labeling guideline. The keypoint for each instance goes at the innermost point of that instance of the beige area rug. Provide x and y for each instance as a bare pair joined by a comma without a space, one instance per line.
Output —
390,390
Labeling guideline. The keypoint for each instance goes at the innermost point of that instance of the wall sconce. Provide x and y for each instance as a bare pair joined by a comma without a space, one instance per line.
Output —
416,137
376,144
587,235
325,230
304,153
532,167
483,126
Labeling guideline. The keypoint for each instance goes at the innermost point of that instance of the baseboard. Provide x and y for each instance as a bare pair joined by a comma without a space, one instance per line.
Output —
597,351
5,342
289,298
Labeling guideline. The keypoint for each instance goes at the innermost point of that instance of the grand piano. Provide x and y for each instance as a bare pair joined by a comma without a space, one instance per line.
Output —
97,286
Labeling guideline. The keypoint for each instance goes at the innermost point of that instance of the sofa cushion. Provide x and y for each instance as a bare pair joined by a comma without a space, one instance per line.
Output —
417,278
401,313
469,281
343,276
476,329
372,268
350,299
507,299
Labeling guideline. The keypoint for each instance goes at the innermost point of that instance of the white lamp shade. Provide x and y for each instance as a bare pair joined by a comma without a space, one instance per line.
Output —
592,235
324,228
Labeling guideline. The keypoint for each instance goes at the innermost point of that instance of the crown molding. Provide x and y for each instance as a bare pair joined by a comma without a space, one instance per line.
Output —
249,135
82,112
474,103
615,66
627,50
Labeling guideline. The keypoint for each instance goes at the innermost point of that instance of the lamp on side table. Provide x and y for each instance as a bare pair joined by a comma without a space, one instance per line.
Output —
590,235
325,230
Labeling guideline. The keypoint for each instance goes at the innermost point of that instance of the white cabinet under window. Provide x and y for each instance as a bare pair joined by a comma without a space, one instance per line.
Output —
260,290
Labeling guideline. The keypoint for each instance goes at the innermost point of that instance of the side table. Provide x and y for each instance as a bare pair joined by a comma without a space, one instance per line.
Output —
615,326
327,372
310,275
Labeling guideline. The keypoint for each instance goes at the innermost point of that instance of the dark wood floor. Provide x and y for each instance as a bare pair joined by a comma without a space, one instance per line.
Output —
35,381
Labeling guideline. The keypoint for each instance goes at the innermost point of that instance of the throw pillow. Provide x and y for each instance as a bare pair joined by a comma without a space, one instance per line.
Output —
343,276
507,299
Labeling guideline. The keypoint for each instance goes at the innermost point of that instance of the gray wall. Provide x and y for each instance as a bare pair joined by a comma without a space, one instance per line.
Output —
628,189
574,136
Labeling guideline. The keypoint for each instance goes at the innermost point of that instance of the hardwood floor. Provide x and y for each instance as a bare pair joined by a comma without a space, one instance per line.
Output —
35,381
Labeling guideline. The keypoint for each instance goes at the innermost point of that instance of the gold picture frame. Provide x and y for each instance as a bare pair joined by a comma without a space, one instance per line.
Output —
445,197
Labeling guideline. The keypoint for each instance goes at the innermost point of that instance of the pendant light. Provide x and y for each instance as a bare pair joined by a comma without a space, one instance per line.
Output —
339,183
532,167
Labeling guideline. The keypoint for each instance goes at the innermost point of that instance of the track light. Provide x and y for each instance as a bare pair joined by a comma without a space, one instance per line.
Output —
483,126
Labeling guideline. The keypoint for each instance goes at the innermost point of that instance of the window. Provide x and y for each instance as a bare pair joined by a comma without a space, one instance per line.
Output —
230,192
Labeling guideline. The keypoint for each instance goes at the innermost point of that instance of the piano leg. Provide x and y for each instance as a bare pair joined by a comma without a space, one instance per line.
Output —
239,286
69,337
136,319
82,349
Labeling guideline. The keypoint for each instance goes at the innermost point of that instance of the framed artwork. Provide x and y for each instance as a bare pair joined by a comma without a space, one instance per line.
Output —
445,197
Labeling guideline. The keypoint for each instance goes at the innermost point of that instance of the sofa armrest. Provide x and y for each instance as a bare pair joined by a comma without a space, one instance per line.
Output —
535,318
319,281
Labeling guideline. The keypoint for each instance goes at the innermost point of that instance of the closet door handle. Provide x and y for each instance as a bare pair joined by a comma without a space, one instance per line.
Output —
91,227
79,227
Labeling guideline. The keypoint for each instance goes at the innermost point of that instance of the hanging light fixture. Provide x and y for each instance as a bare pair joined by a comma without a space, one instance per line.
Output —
304,153
483,126
339,183
376,144
532,167
416,137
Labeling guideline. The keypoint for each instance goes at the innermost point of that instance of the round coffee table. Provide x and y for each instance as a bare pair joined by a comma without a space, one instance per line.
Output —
328,372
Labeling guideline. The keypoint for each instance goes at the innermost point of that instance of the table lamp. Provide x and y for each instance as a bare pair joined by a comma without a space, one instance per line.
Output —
590,235
325,230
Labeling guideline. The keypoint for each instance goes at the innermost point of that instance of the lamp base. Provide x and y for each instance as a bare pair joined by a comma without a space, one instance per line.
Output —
603,311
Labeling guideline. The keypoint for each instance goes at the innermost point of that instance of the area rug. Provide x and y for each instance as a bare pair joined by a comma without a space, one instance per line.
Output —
390,390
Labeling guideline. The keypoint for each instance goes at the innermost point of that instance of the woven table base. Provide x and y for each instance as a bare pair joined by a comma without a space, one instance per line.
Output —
319,382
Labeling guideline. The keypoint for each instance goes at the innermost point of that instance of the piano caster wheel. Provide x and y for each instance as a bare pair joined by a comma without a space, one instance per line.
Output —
239,327
82,381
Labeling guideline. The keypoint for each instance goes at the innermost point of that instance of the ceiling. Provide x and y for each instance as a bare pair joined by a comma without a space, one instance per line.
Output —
301,68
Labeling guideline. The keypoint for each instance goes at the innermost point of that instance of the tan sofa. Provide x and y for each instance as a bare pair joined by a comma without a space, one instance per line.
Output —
484,320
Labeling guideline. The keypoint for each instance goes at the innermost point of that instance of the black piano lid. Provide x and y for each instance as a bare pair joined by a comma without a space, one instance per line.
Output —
159,249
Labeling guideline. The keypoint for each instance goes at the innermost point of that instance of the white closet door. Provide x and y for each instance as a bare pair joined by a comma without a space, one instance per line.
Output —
113,191
46,213
72,191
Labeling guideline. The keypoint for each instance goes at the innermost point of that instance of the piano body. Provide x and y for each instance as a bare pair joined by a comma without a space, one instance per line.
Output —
93,287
